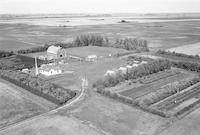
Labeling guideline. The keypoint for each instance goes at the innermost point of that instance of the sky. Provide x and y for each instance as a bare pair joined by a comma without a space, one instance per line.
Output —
98,6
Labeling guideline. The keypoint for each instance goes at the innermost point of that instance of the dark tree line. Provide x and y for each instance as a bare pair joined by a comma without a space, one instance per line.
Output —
132,44
6,53
90,39
178,54
38,86
191,66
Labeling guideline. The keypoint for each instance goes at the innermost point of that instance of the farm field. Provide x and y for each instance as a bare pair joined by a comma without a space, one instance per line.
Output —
92,116
193,49
153,84
16,104
168,35
112,117
189,125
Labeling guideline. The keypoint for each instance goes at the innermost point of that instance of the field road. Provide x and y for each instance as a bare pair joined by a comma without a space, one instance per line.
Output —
84,86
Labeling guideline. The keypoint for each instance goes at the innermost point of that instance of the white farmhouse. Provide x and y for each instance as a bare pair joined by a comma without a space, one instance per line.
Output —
91,58
50,70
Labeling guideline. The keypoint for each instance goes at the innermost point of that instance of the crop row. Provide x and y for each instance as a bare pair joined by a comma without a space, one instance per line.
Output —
181,97
188,109
158,76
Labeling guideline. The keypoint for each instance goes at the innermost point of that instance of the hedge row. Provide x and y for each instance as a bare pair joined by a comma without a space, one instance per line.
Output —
187,65
178,54
137,72
38,86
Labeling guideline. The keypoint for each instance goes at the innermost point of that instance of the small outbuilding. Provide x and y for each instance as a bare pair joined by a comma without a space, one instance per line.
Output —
110,72
91,58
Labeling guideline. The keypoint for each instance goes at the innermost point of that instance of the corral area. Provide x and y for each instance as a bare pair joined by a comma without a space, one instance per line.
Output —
16,104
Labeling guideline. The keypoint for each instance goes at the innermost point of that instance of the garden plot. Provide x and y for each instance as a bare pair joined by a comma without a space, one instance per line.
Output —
181,102
154,84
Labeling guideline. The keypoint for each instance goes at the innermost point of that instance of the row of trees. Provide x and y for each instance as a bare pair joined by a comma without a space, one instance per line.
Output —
38,86
93,40
178,54
134,73
191,66
132,44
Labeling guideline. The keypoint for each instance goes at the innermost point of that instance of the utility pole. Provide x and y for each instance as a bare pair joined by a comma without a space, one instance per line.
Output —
36,66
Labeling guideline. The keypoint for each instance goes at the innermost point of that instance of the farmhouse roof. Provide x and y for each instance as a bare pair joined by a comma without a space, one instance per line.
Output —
53,49
92,56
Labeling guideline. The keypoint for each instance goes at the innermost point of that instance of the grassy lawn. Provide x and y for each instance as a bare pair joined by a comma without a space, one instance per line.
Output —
94,50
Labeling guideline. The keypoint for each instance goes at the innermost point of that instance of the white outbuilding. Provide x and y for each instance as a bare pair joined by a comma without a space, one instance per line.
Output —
110,72
91,58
